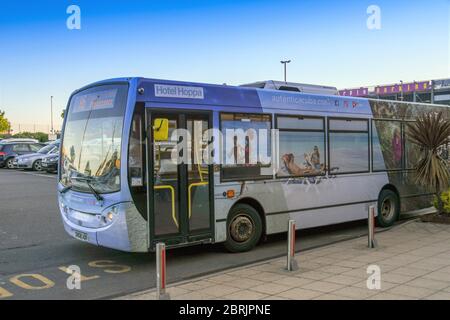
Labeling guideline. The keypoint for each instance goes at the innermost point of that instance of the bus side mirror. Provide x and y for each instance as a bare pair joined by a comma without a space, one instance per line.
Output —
161,129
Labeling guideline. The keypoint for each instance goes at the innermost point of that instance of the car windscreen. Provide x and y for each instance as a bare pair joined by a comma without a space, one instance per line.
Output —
46,149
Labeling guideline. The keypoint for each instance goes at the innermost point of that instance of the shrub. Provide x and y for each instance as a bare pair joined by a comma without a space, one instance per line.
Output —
445,198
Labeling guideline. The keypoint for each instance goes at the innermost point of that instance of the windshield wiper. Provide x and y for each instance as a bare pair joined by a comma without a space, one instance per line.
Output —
65,189
88,183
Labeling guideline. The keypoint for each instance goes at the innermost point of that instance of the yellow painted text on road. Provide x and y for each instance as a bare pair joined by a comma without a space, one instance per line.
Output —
82,278
109,266
5,293
17,280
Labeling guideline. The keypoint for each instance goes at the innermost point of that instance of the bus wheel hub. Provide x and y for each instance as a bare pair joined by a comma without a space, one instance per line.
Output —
387,208
241,228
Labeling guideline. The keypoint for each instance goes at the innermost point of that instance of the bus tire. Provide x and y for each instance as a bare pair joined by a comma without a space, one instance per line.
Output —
244,228
388,208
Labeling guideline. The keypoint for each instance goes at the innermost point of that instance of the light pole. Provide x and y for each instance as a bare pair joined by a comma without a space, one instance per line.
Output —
285,62
51,114
401,90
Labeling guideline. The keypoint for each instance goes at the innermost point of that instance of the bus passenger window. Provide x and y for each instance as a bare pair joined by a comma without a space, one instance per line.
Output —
135,160
349,145
246,146
302,146
387,145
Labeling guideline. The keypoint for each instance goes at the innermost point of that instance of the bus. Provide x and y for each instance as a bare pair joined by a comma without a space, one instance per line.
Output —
321,159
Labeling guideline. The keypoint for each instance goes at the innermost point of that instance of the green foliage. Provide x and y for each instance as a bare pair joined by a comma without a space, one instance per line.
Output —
430,133
4,123
41,136
445,201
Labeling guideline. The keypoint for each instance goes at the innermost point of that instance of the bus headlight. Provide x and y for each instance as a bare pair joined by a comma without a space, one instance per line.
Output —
64,208
110,214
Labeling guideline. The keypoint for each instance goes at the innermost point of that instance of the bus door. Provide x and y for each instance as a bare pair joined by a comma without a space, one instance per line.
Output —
181,192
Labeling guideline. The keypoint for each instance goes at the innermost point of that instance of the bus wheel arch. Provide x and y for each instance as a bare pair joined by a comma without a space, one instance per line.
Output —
246,215
388,206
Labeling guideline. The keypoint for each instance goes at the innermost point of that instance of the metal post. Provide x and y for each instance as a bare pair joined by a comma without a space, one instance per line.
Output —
51,113
401,93
291,262
371,224
161,272
432,92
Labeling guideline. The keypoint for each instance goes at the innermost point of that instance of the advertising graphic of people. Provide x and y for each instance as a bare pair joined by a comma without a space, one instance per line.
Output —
310,166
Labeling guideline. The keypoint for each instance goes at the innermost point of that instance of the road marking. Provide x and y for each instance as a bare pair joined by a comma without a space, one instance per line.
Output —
39,175
110,266
82,278
36,174
47,282
5,293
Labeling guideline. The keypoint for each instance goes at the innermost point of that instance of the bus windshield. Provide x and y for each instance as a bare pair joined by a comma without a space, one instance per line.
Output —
92,139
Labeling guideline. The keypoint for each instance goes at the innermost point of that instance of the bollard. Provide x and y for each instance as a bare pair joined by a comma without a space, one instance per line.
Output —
161,272
291,262
371,224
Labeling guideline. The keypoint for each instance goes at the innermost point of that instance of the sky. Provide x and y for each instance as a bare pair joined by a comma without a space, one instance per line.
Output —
231,42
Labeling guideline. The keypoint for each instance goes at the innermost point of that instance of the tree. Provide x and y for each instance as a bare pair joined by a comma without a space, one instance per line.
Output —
431,134
41,136
4,123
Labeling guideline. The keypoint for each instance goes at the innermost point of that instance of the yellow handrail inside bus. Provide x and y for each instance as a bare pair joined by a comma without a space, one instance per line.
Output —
201,172
196,184
172,191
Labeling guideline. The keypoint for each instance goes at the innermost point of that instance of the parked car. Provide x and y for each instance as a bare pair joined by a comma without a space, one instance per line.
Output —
50,162
52,141
10,150
33,161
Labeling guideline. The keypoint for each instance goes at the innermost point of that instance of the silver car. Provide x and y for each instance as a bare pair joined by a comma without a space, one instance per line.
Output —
34,160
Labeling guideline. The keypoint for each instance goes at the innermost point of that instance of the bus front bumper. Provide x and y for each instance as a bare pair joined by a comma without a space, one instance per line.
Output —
127,231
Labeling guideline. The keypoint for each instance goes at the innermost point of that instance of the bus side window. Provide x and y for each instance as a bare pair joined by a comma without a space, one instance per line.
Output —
348,145
135,159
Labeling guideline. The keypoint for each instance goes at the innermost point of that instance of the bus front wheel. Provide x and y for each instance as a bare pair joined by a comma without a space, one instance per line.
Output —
388,208
244,228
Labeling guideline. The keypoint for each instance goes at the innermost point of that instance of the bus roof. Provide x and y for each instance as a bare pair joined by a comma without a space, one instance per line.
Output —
192,93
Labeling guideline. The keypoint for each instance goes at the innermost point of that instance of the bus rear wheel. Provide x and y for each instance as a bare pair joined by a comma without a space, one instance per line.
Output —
244,228
388,208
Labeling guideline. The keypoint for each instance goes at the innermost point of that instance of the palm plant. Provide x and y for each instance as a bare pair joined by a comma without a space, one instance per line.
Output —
431,133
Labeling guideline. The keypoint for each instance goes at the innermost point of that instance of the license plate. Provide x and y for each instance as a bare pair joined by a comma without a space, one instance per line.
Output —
81,235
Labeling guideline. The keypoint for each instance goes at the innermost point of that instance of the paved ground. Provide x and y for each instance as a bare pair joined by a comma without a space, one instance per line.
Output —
34,249
414,259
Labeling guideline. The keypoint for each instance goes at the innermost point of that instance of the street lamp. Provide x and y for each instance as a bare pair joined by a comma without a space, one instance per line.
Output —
51,114
285,62
401,90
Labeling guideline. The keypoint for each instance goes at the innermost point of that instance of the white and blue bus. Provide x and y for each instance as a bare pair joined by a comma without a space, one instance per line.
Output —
332,157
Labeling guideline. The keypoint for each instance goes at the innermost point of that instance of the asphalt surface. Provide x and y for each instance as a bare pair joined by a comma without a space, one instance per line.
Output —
34,249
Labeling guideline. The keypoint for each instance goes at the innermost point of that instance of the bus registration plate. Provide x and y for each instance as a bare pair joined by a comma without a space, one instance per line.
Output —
81,235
